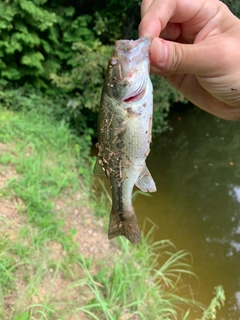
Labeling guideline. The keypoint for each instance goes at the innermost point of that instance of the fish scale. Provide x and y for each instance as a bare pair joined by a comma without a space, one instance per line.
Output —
124,132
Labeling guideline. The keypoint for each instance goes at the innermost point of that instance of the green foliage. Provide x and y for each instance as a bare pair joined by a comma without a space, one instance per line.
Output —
22,316
86,76
217,303
112,24
36,39
21,27
7,266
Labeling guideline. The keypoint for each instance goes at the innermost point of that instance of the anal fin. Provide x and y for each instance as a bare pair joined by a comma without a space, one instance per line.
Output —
145,181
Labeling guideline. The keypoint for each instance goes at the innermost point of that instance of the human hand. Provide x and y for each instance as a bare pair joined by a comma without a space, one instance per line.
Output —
198,52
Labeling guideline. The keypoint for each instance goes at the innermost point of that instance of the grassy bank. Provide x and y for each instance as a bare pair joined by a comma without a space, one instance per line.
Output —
55,260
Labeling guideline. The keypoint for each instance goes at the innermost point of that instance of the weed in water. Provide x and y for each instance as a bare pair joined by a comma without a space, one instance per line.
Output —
217,302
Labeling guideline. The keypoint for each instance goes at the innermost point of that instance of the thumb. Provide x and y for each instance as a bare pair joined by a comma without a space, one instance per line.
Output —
169,57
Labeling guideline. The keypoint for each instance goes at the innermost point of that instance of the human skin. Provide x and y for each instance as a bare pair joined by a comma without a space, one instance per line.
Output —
196,47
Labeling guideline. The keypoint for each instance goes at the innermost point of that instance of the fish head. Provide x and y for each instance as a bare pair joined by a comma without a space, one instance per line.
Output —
128,70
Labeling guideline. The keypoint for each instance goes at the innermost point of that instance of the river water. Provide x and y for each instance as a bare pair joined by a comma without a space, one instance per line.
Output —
196,168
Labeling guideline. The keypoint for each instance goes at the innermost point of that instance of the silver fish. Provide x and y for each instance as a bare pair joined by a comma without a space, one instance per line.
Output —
124,132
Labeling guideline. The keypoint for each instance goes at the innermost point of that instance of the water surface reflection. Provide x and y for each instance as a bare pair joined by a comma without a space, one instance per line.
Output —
197,171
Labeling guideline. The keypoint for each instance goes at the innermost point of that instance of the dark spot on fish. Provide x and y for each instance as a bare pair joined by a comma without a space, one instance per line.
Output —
120,144
146,132
233,89
121,217
120,202
144,105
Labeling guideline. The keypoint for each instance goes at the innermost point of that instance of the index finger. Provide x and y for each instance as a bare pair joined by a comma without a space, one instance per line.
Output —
157,13
144,6
155,16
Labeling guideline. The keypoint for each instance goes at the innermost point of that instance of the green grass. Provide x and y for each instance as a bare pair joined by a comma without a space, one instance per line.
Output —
45,160
43,274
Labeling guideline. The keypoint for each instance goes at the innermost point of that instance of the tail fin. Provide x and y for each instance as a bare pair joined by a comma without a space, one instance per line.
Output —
124,224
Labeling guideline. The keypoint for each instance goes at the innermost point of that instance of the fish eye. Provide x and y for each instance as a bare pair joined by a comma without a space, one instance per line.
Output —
113,61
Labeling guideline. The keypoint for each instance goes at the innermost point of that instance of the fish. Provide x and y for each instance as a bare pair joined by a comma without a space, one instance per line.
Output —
124,132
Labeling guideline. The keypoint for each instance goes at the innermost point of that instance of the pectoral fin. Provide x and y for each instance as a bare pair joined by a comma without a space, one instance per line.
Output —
145,181
98,170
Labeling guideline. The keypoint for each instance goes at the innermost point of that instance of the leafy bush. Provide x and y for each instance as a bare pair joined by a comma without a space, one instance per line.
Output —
36,36
36,39
111,25
85,79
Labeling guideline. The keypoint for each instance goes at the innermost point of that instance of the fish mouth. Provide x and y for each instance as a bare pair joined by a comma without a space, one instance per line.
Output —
135,97
137,47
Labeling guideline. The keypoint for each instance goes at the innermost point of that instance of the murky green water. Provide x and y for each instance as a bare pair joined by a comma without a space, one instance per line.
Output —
196,168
